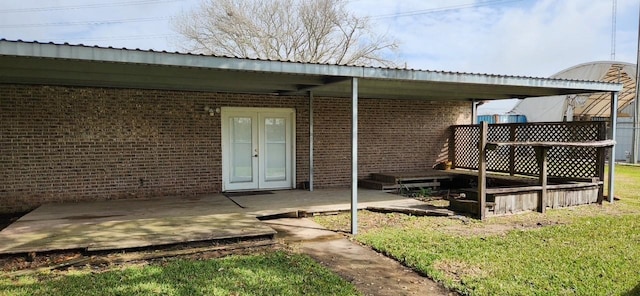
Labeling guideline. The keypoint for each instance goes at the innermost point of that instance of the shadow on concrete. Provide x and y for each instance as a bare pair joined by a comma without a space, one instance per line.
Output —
125,224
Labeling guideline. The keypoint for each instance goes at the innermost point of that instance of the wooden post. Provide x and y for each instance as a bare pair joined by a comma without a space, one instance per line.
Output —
512,150
452,146
482,171
541,156
602,159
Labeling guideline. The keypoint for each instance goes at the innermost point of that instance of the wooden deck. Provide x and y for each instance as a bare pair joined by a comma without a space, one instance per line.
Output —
565,151
511,200
500,177
394,181
505,194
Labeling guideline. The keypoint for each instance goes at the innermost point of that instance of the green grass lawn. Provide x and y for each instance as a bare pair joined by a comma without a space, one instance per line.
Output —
586,250
274,273
627,186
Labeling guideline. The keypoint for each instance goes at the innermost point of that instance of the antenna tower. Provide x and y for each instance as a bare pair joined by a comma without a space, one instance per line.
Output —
613,29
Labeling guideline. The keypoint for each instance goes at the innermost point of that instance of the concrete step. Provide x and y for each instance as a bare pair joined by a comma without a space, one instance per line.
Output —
377,185
412,185
411,177
384,178
387,186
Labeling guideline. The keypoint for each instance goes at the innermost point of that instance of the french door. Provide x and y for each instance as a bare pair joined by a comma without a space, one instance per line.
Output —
257,148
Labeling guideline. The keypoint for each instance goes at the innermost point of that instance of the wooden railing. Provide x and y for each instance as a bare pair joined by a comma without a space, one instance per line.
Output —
568,162
569,150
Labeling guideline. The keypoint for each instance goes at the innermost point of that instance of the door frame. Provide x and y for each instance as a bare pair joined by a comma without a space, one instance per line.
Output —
225,111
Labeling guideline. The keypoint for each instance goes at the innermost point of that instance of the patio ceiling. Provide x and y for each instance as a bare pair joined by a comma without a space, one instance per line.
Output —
79,65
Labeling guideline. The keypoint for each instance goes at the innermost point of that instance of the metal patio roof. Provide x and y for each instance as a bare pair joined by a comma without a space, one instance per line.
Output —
79,65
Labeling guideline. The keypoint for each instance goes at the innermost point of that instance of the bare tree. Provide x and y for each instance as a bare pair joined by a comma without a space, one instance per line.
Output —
317,31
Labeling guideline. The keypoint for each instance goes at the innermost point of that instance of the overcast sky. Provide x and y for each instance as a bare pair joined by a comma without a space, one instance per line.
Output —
513,37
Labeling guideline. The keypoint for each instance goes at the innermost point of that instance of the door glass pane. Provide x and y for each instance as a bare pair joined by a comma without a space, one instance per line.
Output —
275,144
241,154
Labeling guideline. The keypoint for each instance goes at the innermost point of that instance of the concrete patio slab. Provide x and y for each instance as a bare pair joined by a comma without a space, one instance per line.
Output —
123,224
318,201
133,233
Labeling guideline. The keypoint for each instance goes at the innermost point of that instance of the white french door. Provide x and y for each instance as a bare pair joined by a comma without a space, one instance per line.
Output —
257,148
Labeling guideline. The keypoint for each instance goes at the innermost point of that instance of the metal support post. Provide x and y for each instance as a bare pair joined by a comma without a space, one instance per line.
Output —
354,156
310,141
474,111
612,156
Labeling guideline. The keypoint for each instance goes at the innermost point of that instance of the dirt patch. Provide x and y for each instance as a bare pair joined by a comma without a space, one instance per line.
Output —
456,225
103,261
466,226
477,229
457,270
367,221
464,230
10,263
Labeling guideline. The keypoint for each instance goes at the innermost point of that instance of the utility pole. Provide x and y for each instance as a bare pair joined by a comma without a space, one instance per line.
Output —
614,13
636,111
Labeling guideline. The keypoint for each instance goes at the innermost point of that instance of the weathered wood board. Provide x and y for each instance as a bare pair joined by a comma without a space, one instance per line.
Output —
528,201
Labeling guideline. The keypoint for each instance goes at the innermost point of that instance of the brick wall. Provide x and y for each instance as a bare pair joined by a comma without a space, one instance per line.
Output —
393,135
72,143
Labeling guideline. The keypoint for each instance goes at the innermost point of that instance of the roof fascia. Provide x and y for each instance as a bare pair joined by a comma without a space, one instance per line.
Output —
101,54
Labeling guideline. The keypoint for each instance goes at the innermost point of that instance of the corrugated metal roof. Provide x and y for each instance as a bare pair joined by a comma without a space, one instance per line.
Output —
289,61
584,106
66,64
598,105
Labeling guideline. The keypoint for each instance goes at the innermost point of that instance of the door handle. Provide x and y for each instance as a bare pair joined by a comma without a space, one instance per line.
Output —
255,152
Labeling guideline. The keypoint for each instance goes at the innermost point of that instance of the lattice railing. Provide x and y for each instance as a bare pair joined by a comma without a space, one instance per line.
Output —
564,162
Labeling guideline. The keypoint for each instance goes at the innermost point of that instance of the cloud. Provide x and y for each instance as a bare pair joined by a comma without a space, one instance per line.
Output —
516,37
526,37
531,38
150,29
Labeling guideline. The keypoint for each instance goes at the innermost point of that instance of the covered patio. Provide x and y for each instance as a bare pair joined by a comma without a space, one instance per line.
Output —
125,224
263,83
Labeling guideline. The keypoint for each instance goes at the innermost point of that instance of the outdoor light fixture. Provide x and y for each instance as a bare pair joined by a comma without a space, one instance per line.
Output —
211,111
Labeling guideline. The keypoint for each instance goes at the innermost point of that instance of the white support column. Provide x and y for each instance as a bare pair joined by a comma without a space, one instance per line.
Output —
354,156
474,111
310,141
612,155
